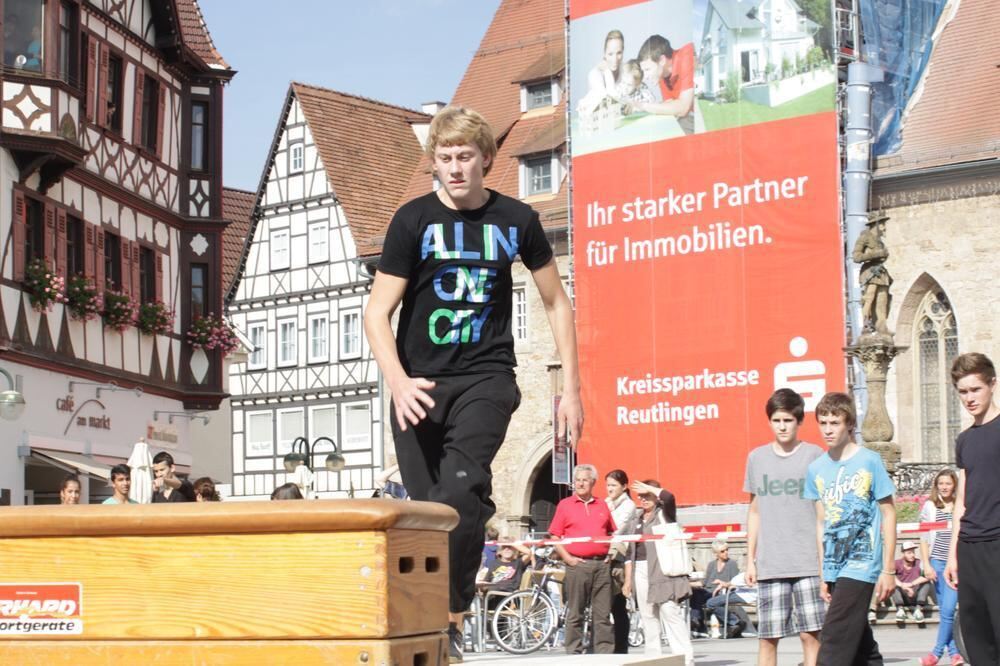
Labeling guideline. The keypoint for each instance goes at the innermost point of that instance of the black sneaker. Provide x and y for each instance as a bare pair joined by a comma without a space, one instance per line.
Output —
456,641
735,630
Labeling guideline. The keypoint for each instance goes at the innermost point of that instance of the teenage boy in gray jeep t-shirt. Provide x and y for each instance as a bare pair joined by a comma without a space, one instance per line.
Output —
783,555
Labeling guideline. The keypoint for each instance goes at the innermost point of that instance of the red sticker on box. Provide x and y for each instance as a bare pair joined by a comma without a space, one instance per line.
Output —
40,609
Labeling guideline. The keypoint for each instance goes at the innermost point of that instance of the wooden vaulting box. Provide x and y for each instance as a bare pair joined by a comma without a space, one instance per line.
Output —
300,582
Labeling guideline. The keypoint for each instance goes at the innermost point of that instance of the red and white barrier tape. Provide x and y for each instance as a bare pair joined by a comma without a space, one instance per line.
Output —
697,533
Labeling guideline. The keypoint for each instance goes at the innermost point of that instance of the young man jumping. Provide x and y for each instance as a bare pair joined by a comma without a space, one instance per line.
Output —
447,258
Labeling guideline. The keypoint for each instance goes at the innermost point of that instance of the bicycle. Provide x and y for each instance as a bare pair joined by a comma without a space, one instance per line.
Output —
526,620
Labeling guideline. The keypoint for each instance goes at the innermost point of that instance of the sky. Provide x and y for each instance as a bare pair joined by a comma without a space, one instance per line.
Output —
404,52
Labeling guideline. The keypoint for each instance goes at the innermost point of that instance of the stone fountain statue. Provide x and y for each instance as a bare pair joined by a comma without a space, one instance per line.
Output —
871,253
875,347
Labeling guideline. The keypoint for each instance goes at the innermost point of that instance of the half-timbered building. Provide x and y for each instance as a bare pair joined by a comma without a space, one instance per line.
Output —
337,167
110,177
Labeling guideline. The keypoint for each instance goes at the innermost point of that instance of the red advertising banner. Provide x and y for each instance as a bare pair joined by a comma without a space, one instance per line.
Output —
707,249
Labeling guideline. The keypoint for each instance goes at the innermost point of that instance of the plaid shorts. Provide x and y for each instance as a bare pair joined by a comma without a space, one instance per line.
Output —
788,606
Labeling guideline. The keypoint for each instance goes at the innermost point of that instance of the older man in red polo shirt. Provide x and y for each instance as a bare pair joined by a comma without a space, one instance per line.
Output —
588,572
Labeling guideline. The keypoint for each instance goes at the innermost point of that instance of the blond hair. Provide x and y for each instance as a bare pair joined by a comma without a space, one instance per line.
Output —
458,126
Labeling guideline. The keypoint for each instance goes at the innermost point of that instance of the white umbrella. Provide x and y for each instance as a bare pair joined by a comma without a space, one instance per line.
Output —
303,478
142,473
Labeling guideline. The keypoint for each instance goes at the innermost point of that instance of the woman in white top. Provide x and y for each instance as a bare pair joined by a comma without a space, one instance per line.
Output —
622,507
934,553
603,79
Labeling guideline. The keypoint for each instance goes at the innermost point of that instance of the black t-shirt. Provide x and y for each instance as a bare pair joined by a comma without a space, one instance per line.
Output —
505,576
977,451
183,494
457,306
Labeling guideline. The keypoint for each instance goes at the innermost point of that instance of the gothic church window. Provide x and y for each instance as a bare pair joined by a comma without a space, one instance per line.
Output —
936,344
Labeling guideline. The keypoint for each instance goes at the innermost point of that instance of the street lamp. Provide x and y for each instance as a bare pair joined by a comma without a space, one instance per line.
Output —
301,453
11,402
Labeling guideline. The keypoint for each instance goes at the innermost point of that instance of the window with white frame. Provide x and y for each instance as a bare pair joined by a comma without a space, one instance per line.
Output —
291,425
319,242
519,323
319,336
258,341
279,249
287,334
357,427
323,423
350,334
539,94
296,161
260,436
538,175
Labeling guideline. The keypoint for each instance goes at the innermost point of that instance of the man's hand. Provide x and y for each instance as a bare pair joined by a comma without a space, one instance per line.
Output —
824,592
409,397
951,572
909,591
572,561
158,484
570,417
885,585
627,589
751,574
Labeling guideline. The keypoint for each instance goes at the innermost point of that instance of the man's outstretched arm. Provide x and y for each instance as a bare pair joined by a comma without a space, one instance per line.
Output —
679,107
409,394
559,311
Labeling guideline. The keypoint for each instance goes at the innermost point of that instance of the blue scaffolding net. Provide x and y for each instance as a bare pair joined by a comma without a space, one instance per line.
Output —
897,38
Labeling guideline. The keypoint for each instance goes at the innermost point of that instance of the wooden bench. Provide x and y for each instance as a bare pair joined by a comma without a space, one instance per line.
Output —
330,581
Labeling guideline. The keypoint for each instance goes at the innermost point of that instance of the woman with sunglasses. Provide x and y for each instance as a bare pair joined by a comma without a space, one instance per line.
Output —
659,595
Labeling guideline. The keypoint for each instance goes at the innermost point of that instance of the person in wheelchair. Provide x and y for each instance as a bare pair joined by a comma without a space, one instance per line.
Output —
504,574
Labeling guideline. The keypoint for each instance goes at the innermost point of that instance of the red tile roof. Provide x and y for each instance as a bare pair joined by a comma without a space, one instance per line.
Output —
195,34
368,149
237,210
954,118
525,40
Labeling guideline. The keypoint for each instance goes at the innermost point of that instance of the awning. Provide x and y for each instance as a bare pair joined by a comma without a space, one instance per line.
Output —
81,463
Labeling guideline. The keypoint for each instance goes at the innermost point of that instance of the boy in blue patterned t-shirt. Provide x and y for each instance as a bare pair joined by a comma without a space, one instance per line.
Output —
857,527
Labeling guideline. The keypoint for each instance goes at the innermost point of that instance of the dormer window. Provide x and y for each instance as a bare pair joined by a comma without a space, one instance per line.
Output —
539,94
540,174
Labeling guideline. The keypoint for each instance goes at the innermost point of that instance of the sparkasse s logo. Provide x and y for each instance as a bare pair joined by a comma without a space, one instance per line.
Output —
40,609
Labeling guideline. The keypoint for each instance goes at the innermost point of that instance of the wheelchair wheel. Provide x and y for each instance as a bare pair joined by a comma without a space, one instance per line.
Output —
524,621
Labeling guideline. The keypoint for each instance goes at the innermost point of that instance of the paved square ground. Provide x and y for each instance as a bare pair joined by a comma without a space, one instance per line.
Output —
899,646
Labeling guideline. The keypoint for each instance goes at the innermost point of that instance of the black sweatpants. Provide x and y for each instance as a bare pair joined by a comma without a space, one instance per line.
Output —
847,638
446,458
979,599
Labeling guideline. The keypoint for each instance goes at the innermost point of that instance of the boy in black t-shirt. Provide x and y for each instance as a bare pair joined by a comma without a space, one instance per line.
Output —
450,368
975,540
